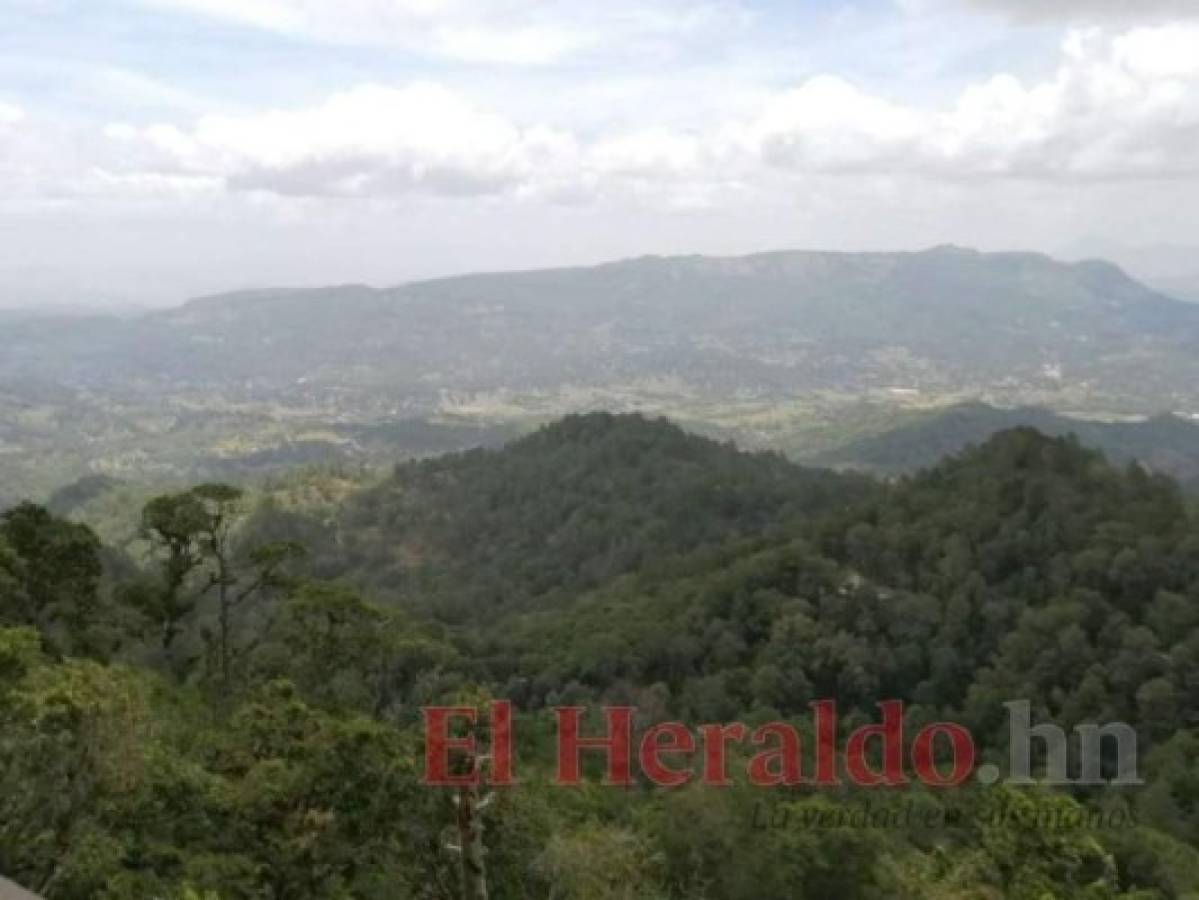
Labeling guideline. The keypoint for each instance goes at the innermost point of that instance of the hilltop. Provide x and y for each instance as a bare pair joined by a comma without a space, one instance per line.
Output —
578,502
1166,443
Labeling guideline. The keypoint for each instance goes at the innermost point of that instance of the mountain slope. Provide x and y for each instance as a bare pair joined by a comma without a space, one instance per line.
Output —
788,349
770,322
1165,443
1026,567
573,505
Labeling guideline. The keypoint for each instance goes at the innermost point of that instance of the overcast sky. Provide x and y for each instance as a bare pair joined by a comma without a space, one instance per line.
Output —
155,149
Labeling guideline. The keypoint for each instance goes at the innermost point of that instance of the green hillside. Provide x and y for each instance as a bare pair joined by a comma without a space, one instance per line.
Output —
1165,443
601,560
579,502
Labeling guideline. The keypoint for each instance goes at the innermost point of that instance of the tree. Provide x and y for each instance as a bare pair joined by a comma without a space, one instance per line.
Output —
598,862
343,652
320,805
173,524
114,784
50,579
74,743
194,533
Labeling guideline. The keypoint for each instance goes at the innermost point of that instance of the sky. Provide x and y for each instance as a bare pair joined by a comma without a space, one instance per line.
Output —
152,150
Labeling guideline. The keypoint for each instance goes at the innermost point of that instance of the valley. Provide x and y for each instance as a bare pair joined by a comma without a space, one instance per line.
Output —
795,351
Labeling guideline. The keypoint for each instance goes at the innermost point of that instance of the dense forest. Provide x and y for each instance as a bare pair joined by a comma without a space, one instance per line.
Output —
229,706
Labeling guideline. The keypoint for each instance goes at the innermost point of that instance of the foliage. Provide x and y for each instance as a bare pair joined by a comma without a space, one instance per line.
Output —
50,572
601,560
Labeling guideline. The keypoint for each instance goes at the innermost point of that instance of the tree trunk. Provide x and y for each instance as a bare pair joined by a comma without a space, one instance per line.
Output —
470,843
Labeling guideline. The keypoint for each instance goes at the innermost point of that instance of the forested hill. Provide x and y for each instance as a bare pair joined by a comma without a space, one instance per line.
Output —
578,502
282,757
1164,443
1027,566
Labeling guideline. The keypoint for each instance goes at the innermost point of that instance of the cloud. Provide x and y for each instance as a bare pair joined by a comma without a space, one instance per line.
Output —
1089,10
1119,107
10,114
375,141
484,31
829,125
368,141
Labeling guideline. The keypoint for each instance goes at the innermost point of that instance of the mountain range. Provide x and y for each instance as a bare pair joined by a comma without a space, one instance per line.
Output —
793,350
941,319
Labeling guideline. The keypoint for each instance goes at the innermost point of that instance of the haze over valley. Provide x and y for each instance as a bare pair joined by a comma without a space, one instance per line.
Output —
792,350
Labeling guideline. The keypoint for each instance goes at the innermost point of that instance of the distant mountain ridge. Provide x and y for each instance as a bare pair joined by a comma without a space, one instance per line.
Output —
768,322
796,350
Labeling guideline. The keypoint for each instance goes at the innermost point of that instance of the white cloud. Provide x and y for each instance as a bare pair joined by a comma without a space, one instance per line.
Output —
534,45
1159,53
336,20
828,125
1088,10
367,141
10,114
377,141
524,32
1117,108
651,154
